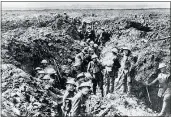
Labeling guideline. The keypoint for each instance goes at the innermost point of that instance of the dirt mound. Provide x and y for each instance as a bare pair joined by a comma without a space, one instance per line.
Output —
150,50
34,44
20,93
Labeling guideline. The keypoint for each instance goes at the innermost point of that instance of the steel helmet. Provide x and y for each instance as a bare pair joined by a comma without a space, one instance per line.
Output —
91,42
88,75
50,71
102,28
71,81
41,72
77,64
94,56
161,65
80,75
46,77
126,48
115,50
95,45
38,68
44,61
85,84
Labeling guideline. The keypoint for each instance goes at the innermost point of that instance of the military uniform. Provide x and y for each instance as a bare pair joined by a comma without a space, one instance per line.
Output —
90,35
125,70
95,69
67,101
164,91
104,37
78,105
79,61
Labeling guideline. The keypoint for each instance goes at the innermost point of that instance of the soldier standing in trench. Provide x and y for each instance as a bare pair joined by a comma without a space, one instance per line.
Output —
78,107
79,58
125,71
94,68
111,72
68,95
164,80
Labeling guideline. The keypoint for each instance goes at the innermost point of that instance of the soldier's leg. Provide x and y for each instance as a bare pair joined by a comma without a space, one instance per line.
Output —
166,104
128,84
108,84
124,80
94,81
112,84
100,83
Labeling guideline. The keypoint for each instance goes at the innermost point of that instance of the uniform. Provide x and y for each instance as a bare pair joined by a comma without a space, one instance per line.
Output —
95,69
79,60
164,91
78,105
91,35
104,37
67,102
125,70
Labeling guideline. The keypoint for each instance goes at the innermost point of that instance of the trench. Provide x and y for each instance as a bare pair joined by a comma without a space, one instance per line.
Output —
53,45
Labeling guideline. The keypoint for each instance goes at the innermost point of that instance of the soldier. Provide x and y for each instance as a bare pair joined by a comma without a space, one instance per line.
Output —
41,74
69,93
78,102
84,27
164,80
79,58
65,17
104,37
96,50
125,71
113,71
90,34
94,68
38,69
44,63
80,33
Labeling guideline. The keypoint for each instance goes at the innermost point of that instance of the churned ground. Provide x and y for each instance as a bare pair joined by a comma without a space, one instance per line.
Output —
28,37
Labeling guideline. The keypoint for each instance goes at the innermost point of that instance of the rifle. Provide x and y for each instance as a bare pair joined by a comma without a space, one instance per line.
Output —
58,73
148,94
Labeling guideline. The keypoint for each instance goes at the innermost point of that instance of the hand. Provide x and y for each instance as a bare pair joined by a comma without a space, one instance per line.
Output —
146,83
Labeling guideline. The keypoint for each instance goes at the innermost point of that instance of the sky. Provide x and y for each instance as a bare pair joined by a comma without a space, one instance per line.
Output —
82,5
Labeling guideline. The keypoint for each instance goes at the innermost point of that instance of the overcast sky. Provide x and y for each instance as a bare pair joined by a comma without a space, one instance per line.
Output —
83,5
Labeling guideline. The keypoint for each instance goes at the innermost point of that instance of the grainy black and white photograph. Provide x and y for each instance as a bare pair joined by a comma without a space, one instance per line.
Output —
68,59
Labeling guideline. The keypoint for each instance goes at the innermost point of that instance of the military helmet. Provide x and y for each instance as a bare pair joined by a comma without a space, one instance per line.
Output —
80,75
38,68
77,64
161,65
91,42
102,28
41,72
88,75
46,77
44,61
50,71
94,56
115,50
71,81
95,45
126,48
85,84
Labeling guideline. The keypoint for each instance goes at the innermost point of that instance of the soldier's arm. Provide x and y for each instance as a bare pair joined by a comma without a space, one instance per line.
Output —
153,82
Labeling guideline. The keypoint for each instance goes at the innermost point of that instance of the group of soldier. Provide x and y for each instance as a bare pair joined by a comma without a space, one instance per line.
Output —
88,73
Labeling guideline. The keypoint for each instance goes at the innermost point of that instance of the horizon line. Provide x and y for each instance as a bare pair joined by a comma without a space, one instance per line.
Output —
81,9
